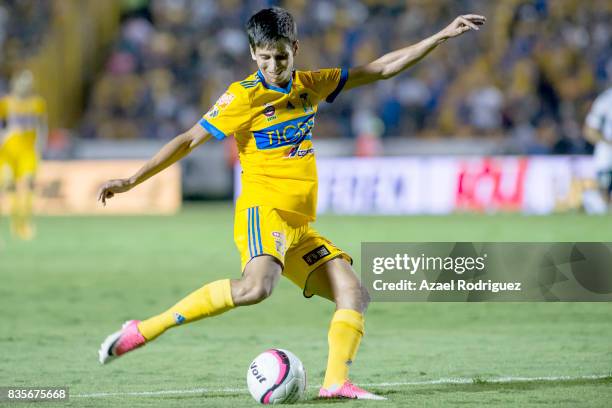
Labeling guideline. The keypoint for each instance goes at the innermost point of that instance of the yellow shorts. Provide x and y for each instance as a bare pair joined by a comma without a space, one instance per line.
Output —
19,155
286,236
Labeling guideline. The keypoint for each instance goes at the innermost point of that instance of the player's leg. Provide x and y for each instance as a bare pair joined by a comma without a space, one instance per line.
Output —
256,284
26,176
12,155
3,183
604,178
23,203
260,277
13,203
262,268
336,280
320,268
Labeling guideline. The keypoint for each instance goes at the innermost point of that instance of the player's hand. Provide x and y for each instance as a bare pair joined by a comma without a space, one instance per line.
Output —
112,187
462,24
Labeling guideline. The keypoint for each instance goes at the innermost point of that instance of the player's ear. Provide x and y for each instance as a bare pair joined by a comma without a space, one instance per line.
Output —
295,47
252,53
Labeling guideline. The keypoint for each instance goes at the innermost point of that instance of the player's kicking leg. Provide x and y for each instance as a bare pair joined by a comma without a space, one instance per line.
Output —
260,277
336,281
23,225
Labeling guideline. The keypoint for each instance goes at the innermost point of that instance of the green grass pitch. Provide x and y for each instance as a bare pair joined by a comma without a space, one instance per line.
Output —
61,294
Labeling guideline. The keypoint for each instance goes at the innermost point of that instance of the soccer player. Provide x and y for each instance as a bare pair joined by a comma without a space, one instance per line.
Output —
598,131
24,114
271,114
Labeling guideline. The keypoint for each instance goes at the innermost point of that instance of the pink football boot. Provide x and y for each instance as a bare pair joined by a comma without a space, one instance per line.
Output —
349,390
119,343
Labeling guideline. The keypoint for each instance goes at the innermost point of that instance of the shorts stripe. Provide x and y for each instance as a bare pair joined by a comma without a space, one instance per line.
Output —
258,230
253,239
250,233
253,227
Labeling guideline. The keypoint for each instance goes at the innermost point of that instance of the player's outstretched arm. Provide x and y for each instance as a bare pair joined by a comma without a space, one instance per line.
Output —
172,152
395,62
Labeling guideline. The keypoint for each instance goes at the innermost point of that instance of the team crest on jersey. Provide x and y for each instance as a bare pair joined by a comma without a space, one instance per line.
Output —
280,242
214,112
306,103
269,112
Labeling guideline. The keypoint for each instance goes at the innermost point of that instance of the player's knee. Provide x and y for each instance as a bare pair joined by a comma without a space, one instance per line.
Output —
249,292
30,184
353,296
259,293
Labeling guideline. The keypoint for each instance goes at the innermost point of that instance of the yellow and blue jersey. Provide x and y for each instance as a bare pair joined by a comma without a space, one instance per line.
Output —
22,116
273,131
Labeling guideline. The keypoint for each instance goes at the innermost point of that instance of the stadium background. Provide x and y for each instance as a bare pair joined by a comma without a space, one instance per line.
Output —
502,109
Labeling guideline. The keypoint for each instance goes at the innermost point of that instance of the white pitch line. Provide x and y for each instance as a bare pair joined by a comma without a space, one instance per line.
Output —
498,380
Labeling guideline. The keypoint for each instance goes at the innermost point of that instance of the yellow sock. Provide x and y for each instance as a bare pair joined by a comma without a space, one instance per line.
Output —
210,300
345,333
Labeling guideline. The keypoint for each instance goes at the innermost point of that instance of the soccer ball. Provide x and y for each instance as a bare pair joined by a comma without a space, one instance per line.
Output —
276,376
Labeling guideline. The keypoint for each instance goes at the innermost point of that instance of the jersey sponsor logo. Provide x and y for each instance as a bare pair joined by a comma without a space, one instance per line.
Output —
222,103
224,100
316,255
269,112
291,132
297,152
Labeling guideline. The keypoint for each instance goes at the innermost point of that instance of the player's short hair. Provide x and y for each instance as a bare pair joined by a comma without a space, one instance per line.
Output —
269,26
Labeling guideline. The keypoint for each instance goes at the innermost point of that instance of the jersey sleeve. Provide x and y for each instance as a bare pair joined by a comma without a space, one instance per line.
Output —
329,82
230,114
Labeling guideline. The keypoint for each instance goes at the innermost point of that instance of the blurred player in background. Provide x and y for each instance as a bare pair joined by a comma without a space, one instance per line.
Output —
271,115
24,135
3,168
598,131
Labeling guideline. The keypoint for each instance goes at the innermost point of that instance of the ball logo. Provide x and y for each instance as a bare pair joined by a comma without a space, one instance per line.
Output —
257,374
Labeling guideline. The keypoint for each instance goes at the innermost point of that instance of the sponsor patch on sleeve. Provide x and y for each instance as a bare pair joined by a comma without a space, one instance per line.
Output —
316,255
224,100
222,103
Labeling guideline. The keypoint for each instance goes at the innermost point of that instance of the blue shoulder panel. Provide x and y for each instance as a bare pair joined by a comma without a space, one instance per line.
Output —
211,129
343,77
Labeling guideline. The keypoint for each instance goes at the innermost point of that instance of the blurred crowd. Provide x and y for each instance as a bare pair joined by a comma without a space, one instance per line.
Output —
528,77
23,25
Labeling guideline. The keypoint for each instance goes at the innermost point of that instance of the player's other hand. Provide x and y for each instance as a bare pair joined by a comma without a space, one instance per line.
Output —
112,187
462,24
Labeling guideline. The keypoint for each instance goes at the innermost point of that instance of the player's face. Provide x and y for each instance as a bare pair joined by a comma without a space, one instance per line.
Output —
275,61
23,83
